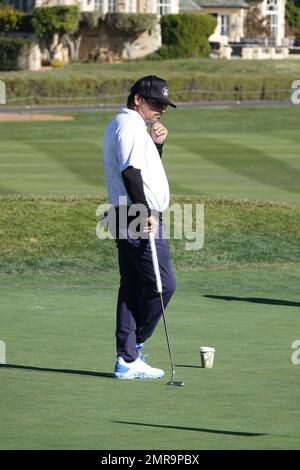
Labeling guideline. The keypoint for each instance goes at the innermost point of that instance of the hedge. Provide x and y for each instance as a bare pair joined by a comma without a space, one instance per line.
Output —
94,90
185,35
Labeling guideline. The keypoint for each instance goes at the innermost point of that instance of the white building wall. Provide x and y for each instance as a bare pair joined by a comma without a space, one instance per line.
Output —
175,7
276,8
235,24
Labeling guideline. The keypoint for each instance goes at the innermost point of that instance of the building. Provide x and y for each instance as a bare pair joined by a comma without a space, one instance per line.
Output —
160,7
231,15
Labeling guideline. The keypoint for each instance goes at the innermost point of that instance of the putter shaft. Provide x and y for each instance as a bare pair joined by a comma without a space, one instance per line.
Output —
159,291
168,341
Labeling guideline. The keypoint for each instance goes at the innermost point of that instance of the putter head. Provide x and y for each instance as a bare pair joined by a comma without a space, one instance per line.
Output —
175,383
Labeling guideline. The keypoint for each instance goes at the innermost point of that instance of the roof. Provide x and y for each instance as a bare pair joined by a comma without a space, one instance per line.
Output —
187,5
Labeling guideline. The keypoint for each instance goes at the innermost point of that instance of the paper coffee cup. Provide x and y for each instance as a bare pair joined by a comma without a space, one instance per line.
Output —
207,356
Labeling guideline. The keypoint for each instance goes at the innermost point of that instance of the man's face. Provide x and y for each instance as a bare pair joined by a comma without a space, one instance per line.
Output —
150,109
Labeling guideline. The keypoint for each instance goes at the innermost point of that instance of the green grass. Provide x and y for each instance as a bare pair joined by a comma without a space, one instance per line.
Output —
167,68
59,235
240,293
56,391
240,153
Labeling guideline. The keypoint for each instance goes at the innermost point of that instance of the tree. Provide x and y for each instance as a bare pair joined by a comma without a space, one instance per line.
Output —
292,16
10,19
256,26
52,24
88,20
129,26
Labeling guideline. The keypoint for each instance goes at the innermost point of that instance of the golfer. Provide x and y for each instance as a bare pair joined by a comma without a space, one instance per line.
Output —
132,150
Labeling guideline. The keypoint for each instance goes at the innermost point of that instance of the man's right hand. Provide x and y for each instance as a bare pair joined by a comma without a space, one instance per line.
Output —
151,225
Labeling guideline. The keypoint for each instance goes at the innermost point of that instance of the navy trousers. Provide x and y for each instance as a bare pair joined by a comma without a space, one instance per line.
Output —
139,306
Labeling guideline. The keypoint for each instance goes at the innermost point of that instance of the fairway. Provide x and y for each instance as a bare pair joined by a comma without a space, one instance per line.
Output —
248,153
57,391
239,293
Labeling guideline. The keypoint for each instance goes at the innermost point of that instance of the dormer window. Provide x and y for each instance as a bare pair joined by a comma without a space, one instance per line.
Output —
272,5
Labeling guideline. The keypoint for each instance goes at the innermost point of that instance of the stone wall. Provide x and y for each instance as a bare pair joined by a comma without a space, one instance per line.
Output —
30,57
261,53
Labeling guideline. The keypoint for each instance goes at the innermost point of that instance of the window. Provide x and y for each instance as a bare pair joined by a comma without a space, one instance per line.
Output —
272,5
131,6
273,25
99,5
272,12
163,7
224,23
112,6
23,5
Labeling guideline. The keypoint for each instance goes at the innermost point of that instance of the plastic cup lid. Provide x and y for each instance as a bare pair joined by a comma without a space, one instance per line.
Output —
206,349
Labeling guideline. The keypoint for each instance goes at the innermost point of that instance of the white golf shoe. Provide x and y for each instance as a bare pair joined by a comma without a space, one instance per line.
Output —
137,369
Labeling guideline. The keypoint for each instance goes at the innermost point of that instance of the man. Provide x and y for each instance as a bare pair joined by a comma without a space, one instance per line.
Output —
134,173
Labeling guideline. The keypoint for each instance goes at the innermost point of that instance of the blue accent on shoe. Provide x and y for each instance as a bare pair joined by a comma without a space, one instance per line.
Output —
120,368
139,347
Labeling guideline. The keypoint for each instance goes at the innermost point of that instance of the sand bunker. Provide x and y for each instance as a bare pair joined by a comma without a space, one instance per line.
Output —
5,117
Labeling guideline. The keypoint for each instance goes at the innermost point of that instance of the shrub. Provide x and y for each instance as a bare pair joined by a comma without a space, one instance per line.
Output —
58,19
10,19
57,64
10,49
186,35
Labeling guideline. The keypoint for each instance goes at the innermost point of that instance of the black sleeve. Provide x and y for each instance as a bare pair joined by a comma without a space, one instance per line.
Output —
133,183
159,148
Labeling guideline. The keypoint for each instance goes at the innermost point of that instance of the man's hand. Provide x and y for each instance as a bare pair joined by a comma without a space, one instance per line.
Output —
158,133
151,225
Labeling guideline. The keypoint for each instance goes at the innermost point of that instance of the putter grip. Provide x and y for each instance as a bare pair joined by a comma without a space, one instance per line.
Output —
155,262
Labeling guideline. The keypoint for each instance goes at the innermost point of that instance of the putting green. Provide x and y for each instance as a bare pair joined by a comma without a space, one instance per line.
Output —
57,391
238,152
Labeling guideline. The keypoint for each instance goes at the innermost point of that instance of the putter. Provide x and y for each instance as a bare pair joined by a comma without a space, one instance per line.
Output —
159,290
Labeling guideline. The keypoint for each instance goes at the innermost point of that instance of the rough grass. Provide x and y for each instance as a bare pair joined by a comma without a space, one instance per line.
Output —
57,234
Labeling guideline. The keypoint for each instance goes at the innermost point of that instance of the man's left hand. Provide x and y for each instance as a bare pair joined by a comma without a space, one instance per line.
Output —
158,133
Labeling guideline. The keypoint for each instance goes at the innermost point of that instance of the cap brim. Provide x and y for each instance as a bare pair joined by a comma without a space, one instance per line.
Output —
168,102
160,100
